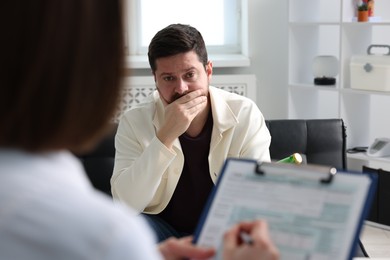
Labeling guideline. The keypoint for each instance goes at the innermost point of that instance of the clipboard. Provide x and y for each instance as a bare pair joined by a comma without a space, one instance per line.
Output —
312,212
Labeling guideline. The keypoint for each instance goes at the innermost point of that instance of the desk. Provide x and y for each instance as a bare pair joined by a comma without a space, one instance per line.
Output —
355,161
376,240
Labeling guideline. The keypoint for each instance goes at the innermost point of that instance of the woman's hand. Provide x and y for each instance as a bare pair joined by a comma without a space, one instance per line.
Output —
175,249
261,246
234,248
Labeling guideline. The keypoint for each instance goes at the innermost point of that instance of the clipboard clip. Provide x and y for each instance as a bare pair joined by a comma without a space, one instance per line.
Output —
304,167
332,172
258,169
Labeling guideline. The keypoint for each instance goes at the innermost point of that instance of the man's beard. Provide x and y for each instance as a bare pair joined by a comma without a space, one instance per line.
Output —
176,96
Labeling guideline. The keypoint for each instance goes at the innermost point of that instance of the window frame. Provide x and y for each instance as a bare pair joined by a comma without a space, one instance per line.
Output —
134,60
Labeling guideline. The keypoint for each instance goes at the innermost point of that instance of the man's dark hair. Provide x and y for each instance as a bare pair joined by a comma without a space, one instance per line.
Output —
175,39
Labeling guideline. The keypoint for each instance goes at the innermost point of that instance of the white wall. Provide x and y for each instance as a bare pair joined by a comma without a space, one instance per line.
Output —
268,50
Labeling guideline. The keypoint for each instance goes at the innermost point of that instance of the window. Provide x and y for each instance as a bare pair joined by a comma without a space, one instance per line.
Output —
222,24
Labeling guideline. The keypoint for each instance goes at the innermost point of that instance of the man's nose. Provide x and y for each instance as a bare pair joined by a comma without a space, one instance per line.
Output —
181,86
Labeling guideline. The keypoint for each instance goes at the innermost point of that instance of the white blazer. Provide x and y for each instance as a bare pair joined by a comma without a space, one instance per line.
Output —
146,172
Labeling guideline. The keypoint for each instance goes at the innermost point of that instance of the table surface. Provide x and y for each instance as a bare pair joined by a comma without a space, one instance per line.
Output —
376,240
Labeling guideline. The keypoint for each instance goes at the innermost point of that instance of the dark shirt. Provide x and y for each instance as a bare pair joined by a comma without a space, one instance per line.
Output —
195,184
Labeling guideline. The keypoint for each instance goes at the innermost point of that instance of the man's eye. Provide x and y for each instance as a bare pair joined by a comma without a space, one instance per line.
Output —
168,78
190,75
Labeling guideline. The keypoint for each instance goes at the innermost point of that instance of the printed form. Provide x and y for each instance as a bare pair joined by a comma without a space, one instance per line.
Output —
307,219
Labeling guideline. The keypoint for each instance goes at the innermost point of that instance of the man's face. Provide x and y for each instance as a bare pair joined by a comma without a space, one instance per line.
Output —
180,74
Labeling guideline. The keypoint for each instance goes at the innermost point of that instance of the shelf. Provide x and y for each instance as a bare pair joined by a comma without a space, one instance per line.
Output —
364,92
316,23
326,27
353,23
313,87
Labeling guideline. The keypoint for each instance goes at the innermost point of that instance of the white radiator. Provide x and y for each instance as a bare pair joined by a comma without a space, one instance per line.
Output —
138,87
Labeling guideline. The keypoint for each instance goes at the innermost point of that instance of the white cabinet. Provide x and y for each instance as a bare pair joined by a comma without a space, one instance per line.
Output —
329,27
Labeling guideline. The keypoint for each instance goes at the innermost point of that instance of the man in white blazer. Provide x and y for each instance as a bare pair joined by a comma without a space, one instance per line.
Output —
170,148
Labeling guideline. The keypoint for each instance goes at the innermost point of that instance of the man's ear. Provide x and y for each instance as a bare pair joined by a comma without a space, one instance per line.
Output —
209,69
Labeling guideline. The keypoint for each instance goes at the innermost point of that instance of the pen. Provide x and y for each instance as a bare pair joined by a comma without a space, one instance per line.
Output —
246,238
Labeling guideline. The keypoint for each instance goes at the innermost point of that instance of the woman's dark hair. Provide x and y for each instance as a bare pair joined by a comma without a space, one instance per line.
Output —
61,69
175,39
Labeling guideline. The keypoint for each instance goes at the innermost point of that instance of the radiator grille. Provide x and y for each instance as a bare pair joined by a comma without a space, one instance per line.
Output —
138,87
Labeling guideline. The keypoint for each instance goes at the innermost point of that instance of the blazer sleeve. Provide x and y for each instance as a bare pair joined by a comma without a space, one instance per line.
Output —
141,161
257,136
